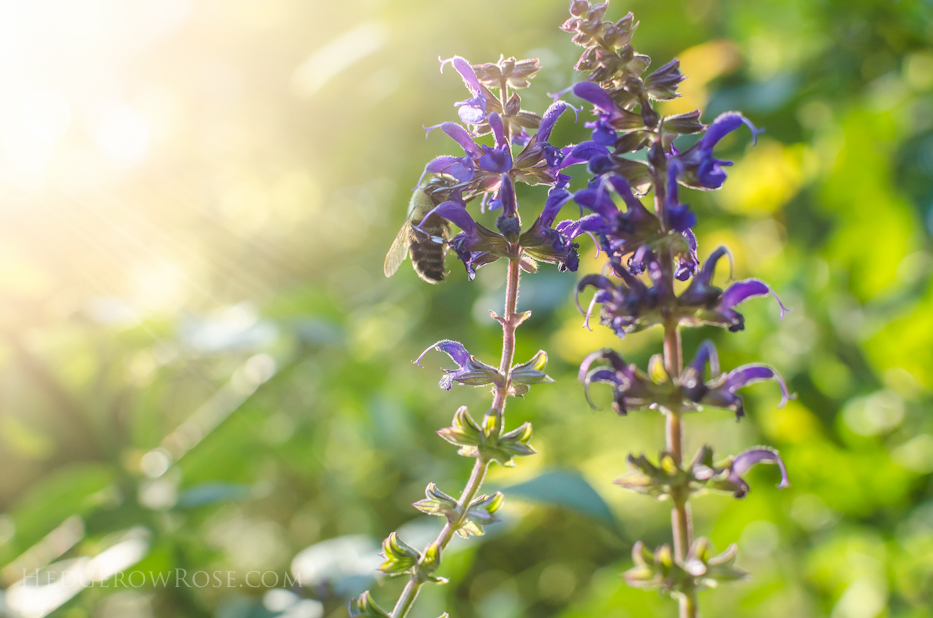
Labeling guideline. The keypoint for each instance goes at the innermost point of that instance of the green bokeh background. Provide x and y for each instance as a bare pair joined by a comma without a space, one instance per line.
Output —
230,278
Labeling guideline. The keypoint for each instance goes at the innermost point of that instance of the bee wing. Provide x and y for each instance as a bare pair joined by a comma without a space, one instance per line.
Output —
399,249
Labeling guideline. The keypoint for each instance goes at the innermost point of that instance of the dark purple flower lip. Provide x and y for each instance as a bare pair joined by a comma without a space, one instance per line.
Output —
720,390
742,462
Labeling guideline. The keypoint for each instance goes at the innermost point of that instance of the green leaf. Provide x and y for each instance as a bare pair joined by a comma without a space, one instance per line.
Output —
566,489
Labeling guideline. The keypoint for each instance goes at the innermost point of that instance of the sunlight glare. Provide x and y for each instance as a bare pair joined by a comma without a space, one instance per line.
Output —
123,135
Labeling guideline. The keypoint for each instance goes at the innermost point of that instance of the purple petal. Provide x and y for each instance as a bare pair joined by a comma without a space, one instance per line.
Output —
550,117
725,124
749,288
522,138
472,111
456,214
495,161
495,123
624,189
453,349
598,200
459,135
507,196
706,353
616,361
589,224
455,166
674,169
745,375
762,454
588,91
709,267
587,150
710,172
691,240
466,72
555,201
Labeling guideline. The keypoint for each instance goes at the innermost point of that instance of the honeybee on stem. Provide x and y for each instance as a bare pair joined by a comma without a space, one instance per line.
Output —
429,247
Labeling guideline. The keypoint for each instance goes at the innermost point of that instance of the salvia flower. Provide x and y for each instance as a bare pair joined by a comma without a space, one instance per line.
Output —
632,389
742,462
544,243
701,170
472,111
469,370
720,390
704,303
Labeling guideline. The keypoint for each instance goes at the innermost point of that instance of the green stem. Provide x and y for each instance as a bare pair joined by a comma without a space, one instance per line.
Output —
510,323
681,519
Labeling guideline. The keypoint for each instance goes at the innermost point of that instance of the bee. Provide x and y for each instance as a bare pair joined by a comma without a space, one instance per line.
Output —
429,247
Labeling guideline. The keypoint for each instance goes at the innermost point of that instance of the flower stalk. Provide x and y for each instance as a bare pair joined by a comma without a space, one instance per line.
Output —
490,173
647,254
510,323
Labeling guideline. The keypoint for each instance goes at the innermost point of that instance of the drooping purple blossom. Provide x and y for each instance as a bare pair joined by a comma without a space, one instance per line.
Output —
746,459
720,389
631,388
472,110
469,370
701,169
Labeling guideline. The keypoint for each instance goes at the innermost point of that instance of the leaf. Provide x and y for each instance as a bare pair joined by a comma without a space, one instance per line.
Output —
567,489
77,489
212,493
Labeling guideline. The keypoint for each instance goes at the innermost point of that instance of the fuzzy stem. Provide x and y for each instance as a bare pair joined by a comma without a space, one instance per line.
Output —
510,323
413,587
688,605
681,519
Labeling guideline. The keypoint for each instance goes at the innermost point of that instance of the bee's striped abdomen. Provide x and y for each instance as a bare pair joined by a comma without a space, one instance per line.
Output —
427,250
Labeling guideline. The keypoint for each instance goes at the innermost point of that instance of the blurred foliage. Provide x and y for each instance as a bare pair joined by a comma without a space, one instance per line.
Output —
203,367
